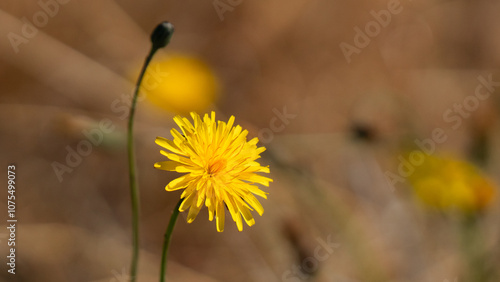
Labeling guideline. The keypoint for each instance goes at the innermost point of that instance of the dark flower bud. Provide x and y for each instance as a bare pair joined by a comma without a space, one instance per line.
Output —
162,34
363,132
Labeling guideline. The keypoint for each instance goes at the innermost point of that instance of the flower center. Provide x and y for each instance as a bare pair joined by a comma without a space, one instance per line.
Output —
216,167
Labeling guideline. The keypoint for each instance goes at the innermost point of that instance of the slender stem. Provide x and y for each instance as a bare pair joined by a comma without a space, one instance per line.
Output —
474,251
134,191
166,240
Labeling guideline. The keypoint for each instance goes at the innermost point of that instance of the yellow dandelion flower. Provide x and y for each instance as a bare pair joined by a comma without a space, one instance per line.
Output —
188,84
219,166
448,183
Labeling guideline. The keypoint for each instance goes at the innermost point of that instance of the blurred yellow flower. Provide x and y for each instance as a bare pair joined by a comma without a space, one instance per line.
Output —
181,84
220,169
447,183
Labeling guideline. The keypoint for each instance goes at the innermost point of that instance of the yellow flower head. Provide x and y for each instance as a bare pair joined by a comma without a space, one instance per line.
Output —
219,166
180,84
446,183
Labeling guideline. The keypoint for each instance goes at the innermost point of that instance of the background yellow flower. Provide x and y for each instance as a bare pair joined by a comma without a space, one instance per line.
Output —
182,83
448,183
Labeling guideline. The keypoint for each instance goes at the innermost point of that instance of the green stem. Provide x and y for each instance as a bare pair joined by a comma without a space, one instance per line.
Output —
474,250
166,240
134,191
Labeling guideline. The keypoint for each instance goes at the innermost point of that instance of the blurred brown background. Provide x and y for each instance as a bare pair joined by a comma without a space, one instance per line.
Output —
328,184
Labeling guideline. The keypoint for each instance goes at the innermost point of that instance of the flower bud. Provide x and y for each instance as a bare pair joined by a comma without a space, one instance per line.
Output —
162,34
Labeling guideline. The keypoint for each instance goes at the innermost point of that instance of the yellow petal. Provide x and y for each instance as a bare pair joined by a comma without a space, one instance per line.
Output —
178,158
179,183
264,169
167,165
211,208
220,214
190,189
235,214
247,215
177,136
187,202
201,199
193,212
255,190
250,199
252,177
169,145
